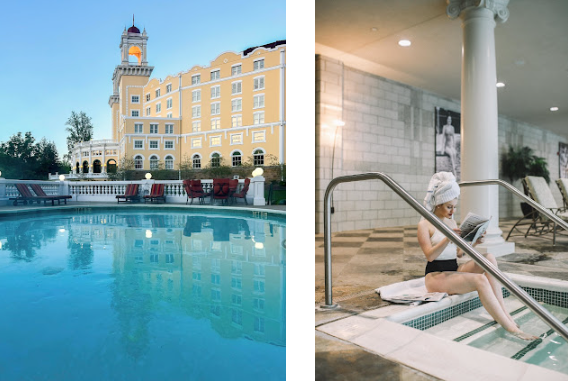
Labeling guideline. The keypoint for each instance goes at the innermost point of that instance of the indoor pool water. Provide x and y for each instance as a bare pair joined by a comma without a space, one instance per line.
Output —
120,295
550,352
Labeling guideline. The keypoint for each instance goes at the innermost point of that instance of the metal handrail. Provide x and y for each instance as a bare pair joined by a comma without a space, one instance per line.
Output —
518,193
527,300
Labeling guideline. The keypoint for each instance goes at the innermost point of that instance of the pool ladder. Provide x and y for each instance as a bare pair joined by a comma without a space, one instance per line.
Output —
521,294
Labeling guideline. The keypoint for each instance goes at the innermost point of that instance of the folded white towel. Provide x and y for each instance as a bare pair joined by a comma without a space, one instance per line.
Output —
409,292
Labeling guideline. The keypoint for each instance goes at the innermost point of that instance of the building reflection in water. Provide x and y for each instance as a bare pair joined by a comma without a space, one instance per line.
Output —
228,270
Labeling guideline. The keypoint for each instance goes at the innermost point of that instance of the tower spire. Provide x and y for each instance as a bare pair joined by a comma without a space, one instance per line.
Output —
133,19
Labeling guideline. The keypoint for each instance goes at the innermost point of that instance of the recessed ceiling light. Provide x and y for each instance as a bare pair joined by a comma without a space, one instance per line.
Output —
554,108
500,84
405,43
373,29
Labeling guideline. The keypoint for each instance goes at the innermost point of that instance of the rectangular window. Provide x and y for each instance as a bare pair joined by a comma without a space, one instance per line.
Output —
215,74
215,124
215,92
169,144
258,118
196,143
158,107
135,113
169,103
215,108
148,111
259,83
153,128
235,70
236,87
236,105
215,141
196,95
258,101
196,79
169,128
258,136
258,64
196,126
147,97
236,121
168,88
135,99
138,128
196,111
169,115
153,144
236,139
157,93
139,144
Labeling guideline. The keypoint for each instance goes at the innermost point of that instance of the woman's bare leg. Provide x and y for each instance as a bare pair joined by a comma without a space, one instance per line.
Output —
472,267
462,282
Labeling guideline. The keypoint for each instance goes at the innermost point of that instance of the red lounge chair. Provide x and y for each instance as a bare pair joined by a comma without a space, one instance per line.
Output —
221,190
131,194
39,191
194,189
27,196
243,193
233,185
156,193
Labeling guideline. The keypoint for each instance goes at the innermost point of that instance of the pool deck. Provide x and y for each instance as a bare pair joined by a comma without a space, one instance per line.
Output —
367,259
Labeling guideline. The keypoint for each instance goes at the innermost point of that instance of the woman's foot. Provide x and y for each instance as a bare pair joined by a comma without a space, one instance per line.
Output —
524,336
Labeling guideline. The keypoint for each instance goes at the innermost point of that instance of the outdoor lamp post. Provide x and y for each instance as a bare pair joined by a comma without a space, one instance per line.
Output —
148,176
61,177
257,172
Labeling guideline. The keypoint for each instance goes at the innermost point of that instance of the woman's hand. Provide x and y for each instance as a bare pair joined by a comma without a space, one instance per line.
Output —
480,240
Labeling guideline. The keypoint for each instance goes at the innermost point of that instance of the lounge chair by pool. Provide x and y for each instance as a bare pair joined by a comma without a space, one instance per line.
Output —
131,194
156,194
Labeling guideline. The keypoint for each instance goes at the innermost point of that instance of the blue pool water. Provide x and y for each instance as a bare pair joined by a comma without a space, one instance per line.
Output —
114,295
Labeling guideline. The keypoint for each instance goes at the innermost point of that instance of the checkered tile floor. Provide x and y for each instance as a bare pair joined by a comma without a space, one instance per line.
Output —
363,260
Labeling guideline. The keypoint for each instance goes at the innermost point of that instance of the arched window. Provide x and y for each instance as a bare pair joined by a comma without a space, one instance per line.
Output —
169,161
153,162
138,162
196,161
258,157
85,166
237,158
215,160
97,166
111,166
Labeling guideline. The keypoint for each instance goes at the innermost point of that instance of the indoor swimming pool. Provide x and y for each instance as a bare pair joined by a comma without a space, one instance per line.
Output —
141,294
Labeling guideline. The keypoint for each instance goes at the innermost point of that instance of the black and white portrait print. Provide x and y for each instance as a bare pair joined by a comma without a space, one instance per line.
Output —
448,141
563,160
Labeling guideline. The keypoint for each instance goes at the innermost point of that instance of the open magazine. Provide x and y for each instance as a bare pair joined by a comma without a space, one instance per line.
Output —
473,227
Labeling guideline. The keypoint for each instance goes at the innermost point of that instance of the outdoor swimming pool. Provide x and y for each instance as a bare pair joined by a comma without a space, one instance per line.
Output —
113,294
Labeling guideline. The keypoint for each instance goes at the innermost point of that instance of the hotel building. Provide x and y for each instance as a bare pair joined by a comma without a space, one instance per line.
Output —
223,114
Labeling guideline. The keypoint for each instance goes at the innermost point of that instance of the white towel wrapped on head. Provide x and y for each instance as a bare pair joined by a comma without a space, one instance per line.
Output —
409,292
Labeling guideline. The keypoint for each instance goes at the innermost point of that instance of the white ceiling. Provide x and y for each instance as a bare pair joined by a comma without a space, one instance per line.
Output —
531,50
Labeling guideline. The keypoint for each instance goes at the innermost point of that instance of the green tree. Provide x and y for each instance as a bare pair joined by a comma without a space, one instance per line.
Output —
47,158
18,156
80,129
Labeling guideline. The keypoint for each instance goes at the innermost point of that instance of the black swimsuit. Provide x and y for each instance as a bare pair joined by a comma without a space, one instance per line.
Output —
444,265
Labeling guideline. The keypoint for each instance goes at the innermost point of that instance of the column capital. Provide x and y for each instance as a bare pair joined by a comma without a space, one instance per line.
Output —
498,7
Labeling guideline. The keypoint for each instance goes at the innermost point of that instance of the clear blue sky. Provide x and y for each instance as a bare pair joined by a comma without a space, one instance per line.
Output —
58,57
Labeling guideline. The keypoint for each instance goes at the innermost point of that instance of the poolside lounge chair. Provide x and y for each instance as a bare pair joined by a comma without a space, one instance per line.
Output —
156,193
233,186
131,194
194,189
243,193
541,193
39,191
563,187
220,190
27,196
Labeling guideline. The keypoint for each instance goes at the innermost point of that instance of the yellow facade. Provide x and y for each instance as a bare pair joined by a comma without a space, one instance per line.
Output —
236,105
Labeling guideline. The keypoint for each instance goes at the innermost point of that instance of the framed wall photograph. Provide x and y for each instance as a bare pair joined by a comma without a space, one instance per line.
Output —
563,160
448,141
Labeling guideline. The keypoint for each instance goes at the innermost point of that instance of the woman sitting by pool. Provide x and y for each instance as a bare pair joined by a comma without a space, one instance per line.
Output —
442,271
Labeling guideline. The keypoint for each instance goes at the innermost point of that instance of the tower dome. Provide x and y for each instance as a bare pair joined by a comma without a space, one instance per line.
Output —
133,29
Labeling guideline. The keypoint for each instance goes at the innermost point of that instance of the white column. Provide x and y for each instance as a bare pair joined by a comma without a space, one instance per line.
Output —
479,122
257,185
